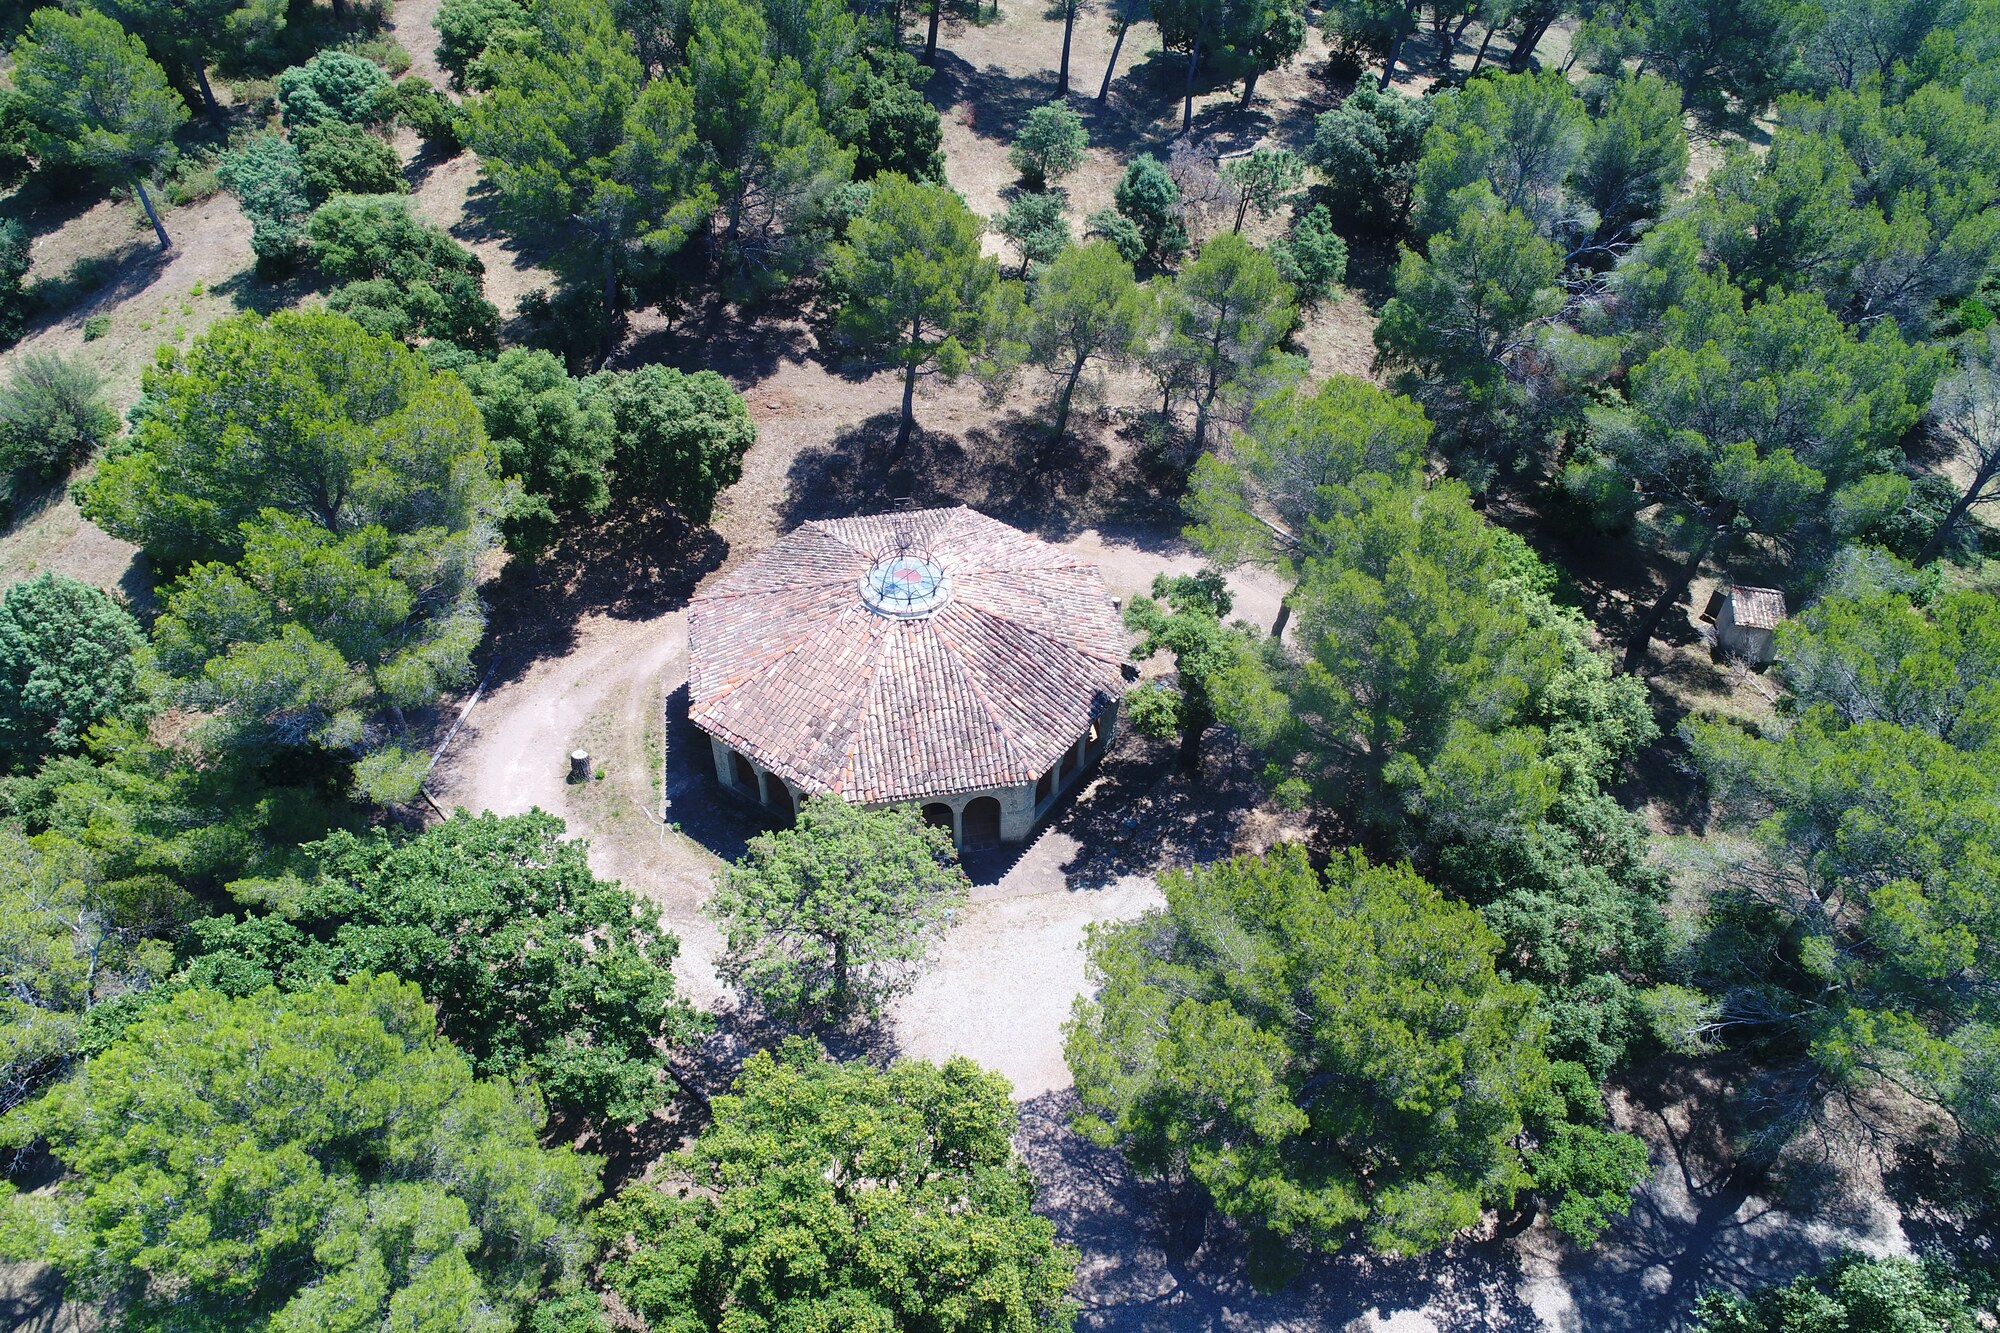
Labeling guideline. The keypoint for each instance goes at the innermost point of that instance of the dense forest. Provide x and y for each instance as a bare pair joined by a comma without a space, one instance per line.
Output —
1491,343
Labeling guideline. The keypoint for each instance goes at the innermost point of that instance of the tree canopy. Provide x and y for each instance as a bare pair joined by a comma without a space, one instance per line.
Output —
836,914
537,967
371,1177
825,1192
1314,1052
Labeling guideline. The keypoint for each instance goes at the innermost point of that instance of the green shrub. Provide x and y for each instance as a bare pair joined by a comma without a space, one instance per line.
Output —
1855,1294
269,181
406,278
333,86
431,114
889,123
337,158
1312,256
1049,146
1036,225
194,177
1148,197
66,663
52,415
14,159
1110,225
383,50
96,327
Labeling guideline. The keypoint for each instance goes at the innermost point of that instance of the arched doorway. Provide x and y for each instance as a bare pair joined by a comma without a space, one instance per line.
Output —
741,769
938,815
982,822
782,802
1045,784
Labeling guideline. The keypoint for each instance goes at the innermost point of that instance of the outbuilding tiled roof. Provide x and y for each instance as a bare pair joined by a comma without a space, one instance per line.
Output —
1757,608
789,664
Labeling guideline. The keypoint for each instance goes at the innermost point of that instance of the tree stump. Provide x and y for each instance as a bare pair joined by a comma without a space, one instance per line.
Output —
579,765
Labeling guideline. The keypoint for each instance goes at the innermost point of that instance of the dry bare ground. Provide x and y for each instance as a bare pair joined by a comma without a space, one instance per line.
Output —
591,652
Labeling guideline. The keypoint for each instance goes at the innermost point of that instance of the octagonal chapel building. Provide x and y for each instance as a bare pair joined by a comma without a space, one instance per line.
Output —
936,657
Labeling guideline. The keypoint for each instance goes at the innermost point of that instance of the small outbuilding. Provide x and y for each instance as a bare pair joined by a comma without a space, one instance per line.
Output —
937,657
1746,621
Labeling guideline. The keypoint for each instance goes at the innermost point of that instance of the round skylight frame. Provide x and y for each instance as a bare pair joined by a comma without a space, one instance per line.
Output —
905,585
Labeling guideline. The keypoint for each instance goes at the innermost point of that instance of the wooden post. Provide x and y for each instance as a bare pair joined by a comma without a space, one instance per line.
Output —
579,765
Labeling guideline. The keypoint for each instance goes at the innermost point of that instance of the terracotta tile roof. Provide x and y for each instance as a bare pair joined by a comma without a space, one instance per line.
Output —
788,664
1758,608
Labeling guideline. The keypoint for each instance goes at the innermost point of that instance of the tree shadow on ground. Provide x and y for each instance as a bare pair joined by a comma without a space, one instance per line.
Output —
1704,1222
635,562
32,1300
1009,469
249,289
744,345
1141,1273
1143,812
996,101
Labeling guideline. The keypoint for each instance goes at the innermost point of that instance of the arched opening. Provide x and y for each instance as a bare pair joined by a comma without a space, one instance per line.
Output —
1069,763
1044,785
938,815
781,800
742,770
982,822
1095,743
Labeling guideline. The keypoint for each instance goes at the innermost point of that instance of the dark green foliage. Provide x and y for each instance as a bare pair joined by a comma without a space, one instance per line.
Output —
1312,257
1884,208
1635,155
409,270
53,416
1223,319
14,301
1589,1174
1119,231
66,662
1518,136
835,915
890,1198
1216,1052
1729,58
269,181
1184,617
537,968
1366,149
335,86
466,26
1464,319
369,1174
14,130
77,945
679,438
1087,307
554,432
431,114
338,158
1147,197
1048,146
1854,1294
1036,225
891,126
1795,449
